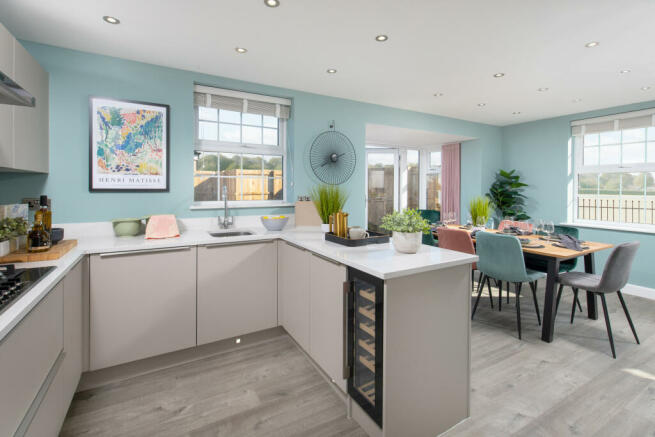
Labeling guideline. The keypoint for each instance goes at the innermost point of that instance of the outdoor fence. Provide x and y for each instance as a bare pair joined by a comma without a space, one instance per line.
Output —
617,210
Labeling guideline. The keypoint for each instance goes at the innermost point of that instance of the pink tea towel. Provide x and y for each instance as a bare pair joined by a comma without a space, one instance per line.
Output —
162,226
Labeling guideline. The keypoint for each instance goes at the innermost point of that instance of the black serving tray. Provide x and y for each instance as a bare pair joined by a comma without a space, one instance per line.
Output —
373,238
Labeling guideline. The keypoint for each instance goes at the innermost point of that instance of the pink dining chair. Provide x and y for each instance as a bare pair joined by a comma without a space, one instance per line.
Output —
458,240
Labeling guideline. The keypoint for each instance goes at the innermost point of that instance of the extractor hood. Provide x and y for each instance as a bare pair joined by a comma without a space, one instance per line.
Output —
12,94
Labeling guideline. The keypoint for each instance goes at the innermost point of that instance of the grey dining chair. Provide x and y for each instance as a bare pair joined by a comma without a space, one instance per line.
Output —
615,276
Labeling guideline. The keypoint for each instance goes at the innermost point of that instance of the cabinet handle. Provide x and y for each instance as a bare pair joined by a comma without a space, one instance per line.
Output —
143,251
236,243
347,287
324,258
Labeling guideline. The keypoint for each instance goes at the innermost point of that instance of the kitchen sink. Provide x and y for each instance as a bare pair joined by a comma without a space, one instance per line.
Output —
231,234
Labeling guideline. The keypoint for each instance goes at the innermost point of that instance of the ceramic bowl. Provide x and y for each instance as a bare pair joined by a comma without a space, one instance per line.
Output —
127,227
274,223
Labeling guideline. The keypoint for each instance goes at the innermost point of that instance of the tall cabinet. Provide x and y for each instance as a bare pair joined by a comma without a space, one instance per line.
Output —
24,131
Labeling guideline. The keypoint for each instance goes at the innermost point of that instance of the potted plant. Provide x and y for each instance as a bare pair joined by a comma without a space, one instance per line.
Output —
328,199
506,194
480,210
4,242
15,229
406,229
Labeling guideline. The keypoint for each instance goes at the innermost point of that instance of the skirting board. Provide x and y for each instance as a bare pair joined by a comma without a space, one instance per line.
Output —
638,290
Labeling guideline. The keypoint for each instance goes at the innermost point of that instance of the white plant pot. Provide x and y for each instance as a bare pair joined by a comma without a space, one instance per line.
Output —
4,248
407,242
325,227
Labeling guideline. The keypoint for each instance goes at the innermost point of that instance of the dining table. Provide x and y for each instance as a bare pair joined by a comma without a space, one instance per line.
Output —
540,247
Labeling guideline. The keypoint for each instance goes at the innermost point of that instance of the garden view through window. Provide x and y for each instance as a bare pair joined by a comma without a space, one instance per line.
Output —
616,179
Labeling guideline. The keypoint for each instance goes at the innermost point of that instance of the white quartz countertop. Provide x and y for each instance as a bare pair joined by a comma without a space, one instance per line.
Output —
380,260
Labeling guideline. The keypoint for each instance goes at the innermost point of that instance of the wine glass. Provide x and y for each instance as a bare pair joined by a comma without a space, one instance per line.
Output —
549,228
540,227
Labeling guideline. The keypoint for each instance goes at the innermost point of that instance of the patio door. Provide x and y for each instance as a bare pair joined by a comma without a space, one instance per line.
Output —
381,184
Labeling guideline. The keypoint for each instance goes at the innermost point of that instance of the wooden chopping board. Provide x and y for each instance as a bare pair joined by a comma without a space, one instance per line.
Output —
55,252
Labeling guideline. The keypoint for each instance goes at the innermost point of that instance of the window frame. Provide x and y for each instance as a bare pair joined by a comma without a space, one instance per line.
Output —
242,148
580,169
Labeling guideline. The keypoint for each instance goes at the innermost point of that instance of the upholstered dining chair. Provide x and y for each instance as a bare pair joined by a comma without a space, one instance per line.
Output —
615,275
432,216
501,258
564,266
460,241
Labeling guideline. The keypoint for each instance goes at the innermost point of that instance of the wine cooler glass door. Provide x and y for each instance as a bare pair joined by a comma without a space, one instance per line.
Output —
365,385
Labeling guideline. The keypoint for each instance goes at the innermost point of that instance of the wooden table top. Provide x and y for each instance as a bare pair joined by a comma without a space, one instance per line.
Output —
551,251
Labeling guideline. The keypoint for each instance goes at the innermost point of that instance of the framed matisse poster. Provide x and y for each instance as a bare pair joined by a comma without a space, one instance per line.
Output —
129,146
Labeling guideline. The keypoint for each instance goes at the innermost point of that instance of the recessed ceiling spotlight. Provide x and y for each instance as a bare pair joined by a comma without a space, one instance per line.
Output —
272,3
381,38
438,94
576,100
645,88
111,20
516,112
331,70
625,71
240,50
499,74
482,105
592,44
541,90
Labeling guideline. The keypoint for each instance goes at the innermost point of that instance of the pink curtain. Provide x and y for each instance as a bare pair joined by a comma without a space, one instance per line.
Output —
450,171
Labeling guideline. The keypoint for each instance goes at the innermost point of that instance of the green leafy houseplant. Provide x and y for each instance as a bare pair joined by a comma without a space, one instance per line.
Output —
328,200
480,208
506,194
409,221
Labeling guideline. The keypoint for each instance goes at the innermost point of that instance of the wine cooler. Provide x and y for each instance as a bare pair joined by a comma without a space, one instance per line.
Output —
363,342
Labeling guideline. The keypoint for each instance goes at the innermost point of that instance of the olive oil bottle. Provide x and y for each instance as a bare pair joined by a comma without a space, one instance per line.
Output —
44,215
38,239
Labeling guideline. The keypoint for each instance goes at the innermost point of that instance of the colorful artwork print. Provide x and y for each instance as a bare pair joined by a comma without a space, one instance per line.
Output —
129,145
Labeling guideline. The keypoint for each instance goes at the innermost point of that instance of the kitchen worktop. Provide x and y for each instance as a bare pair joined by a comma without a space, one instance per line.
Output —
380,260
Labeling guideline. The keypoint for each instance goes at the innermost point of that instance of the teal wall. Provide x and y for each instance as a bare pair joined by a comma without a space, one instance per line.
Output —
74,76
539,151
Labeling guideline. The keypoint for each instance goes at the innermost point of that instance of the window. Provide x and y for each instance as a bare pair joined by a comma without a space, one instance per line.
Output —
413,179
615,169
240,147
433,182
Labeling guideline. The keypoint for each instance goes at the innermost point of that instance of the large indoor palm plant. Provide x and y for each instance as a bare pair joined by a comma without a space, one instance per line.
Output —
506,194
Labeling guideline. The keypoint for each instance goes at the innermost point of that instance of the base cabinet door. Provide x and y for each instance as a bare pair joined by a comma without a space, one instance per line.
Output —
327,315
74,284
142,304
237,289
27,355
293,294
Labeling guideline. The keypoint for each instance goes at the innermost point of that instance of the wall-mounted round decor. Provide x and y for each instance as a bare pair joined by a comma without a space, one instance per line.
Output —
332,157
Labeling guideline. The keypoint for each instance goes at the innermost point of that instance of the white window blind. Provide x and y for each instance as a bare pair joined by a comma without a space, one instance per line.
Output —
617,122
248,103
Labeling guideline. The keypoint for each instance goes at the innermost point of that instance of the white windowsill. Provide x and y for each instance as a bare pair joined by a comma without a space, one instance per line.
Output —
608,227
221,205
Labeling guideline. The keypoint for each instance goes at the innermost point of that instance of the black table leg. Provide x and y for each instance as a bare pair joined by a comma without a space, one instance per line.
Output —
592,309
548,325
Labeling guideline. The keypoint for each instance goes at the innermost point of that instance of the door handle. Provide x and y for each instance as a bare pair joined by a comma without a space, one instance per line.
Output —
347,288
143,251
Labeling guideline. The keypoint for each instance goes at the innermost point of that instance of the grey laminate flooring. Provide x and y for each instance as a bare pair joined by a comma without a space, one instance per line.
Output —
571,387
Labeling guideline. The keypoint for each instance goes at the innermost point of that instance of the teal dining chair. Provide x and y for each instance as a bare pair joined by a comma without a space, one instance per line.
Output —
501,259
564,266
432,216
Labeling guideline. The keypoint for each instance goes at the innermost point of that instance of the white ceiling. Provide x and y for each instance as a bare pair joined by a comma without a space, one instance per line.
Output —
381,135
447,46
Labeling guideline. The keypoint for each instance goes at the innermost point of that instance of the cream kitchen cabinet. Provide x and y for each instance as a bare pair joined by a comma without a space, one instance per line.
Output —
49,417
293,292
27,355
24,131
327,314
237,289
142,304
